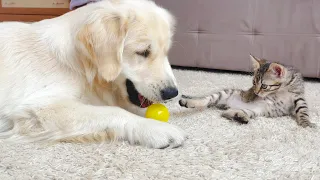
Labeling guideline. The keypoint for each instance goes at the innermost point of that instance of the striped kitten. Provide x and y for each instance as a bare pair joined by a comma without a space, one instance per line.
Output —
277,91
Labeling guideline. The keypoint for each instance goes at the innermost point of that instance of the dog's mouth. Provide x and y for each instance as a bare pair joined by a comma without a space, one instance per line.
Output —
135,97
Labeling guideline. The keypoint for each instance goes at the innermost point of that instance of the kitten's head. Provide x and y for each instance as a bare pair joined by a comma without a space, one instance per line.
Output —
268,77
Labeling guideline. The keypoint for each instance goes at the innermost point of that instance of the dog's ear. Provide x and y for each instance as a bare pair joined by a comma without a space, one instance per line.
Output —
102,43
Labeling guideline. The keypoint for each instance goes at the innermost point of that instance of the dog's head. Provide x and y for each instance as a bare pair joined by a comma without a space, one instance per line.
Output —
131,40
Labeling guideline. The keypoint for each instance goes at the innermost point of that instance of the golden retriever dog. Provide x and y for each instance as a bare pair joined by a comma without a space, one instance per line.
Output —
88,75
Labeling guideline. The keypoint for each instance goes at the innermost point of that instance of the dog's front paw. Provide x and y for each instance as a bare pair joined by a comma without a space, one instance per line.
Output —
156,134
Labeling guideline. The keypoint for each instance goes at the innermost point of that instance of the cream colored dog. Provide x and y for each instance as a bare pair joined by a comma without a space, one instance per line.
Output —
87,75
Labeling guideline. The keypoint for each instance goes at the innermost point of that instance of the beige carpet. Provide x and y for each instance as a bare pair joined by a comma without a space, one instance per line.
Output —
217,148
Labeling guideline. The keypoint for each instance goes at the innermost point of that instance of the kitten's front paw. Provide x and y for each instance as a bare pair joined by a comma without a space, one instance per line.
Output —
187,102
305,124
312,125
222,106
190,102
183,102
236,115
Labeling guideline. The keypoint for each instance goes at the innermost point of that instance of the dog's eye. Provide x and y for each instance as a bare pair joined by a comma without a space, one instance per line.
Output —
144,53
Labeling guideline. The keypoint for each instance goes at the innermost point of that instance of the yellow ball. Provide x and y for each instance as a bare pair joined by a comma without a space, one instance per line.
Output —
158,112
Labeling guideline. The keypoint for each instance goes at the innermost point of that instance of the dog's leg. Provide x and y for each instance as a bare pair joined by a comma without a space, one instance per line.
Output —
74,121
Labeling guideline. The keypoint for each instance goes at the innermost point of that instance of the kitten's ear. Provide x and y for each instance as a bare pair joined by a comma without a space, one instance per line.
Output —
255,62
277,69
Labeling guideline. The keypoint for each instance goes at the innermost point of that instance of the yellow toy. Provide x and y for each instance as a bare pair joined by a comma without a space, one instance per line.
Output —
158,112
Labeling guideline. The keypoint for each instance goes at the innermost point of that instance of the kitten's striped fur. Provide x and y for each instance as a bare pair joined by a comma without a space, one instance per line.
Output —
277,91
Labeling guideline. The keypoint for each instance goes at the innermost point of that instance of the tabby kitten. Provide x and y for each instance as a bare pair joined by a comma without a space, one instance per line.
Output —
277,91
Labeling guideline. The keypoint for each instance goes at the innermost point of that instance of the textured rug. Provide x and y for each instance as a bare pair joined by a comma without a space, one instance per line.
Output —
217,149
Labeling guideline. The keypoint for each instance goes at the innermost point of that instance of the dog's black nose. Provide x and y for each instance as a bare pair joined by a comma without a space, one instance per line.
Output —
169,93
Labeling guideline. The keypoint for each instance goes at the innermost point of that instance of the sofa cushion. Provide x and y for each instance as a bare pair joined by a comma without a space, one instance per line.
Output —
220,34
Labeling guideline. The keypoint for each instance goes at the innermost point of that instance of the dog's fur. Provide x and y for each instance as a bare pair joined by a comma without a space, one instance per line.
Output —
67,76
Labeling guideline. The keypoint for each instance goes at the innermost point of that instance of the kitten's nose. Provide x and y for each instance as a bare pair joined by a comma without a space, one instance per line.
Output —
169,93
256,90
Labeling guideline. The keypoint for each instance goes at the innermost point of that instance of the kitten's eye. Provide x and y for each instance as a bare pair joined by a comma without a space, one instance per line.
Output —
144,53
264,86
